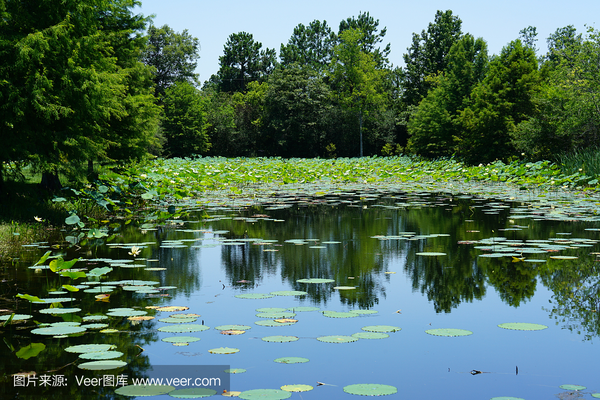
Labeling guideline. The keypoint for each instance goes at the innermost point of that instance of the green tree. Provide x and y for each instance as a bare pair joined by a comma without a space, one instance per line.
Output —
173,55
371,36
63,83
434,128
356,80
309,46
242,62
184,121
498,104
427,55
298,105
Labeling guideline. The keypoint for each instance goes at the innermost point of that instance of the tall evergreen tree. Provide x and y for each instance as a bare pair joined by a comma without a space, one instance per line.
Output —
372,36
309,46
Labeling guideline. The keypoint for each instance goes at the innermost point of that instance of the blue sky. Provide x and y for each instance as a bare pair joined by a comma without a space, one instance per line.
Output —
272,22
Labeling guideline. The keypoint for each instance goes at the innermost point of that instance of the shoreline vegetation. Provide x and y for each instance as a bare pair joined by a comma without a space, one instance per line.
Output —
163,190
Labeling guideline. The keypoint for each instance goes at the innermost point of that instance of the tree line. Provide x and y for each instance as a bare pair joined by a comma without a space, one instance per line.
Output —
88,81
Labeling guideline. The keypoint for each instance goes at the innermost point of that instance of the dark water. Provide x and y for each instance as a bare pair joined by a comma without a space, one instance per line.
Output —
368,241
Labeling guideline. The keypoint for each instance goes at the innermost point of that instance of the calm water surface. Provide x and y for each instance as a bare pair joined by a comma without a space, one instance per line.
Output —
368,241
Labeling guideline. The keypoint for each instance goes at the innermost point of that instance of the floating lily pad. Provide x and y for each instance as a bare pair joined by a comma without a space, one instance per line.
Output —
144,390
315,280
192,393
271,309
289,293
370,335
344,287
102,365
58,330
276,315
178,320
183,328
88,348
101,355
59,310
381,328
232,327
172,308
596,395
339,314
337,339
280,339
449,332
235,371
303,309
297,388
94,326
564,257
291,360
430,254
109,331
273,323
370,389
180,339
572,387
254,296
140,318
127,313
265,394
31,350
522,326
224,350
17,317
363,311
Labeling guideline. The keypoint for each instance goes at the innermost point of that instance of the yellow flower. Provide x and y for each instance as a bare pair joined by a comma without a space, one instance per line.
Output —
38,219
135,251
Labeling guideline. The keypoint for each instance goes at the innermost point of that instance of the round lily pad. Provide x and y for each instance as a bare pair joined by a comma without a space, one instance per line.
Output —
232,327
144,390
271,309
17,317
289,293
370,335
192,393
271,322
232,332
564,257
58,330
339,314
522,326
291,360
280,339
265,394
102,365
370,389
363,311
297,388
572,387
126,313
381,328
235,371
315,280
344,287
94,326
337,339
172,308
430,254
224,350
180,339
89,318
276,315
449,332
172,320
596,395
59,310
101,355
303,309
109,331
183,328
254,296
88,348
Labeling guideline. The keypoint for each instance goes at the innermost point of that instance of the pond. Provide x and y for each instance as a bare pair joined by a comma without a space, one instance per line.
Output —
409,292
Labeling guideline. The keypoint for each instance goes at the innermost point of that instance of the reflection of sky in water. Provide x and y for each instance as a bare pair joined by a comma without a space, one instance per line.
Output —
419,365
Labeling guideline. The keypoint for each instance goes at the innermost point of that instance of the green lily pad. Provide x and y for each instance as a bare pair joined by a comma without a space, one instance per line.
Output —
232,327
30,351
344,287
564,257
192,393
303,309
430,254
180,339
289,293
102,365
58,330
370,389
101,355
224,350
522,326
315,280
276,315
370,335
183,328
88,318
381,328
144,390
235,371
271,322
271,309
254,296
88,348
449,332
572,387
59,310
17,317
126,313
363,311
291,360
337,339
280,339
339,314
265,394
178,320
297,388
596,395
94,326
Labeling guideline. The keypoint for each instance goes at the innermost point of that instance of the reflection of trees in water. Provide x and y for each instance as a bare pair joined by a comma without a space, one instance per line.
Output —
576,298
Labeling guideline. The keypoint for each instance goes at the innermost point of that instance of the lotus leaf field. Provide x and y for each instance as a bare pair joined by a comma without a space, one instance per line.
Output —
311,279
